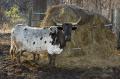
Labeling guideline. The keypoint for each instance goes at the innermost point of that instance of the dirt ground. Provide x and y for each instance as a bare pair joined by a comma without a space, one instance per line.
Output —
32,70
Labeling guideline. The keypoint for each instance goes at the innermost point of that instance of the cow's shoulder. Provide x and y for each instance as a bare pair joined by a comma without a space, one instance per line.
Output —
53,29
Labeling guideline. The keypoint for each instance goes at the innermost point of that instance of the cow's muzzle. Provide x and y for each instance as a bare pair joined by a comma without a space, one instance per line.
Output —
68,38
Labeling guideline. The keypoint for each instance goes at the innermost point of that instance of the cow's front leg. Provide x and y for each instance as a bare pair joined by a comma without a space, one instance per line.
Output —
38,56
34,56
54,58
18,57
50,58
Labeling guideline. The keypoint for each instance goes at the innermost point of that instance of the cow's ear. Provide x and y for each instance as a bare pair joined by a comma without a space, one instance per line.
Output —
60,28
54,24
74,28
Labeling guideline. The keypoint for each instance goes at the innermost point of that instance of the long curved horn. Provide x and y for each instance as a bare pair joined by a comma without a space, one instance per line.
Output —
59,24
77,22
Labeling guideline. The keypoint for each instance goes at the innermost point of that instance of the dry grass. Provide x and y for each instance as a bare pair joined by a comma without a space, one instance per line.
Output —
71,13
97,48
63,13
5,28
96,42
96,56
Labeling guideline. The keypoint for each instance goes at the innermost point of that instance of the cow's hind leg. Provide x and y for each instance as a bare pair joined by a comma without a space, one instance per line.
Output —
19,53
38,56
52,60
34,56
12,52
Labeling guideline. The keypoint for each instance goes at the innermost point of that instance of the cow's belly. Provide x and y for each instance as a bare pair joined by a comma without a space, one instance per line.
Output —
51,49
35,44
34,48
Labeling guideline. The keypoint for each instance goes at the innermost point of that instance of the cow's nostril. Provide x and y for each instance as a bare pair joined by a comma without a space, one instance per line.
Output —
67,38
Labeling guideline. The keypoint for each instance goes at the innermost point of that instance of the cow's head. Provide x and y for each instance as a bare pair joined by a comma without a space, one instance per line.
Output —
67,28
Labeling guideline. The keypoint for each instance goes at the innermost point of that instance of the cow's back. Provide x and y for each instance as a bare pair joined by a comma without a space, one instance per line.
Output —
30,39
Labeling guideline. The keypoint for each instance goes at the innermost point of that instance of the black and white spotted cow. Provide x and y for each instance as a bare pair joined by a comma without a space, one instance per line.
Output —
36,40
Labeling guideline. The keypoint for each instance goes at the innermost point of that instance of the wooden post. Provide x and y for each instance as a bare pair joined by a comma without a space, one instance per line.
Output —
116,20
116,24
30,17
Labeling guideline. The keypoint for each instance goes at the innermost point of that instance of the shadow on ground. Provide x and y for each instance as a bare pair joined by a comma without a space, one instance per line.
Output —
45,72
32,70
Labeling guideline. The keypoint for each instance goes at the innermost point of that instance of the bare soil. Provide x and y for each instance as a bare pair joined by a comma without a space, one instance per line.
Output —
32,70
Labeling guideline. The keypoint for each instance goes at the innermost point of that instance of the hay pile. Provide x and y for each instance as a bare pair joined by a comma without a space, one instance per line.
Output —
63,13
96,42
71,13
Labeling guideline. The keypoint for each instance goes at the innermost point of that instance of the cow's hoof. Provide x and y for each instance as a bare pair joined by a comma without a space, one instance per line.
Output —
51,66
118,48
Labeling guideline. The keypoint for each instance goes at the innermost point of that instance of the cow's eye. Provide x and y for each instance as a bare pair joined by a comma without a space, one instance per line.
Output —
60,28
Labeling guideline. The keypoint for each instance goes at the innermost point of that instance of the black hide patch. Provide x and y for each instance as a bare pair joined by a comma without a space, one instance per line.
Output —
41,38
58,38
51,29
45,42
27,41
61,39
25,29
54,37
33,42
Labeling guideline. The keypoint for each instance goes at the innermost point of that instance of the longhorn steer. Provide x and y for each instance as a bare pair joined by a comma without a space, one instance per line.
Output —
36,40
